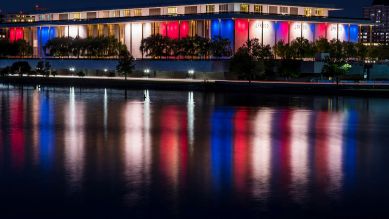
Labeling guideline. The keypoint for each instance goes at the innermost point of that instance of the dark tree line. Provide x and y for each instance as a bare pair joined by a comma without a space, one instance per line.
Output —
18,48
159,47
91,47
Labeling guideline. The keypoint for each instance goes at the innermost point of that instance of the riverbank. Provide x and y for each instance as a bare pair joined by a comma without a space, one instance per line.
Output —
263,87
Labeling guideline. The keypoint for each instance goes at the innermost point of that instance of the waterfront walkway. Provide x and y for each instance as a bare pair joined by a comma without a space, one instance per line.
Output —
282,87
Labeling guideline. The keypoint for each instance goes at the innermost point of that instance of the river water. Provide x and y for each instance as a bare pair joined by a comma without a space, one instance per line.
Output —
98,153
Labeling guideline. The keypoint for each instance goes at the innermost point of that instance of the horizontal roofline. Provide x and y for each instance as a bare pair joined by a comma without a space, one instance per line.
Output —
275,17
193,2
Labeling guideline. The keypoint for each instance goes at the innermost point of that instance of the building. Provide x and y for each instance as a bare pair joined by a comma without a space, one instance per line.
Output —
378,33
238,22
18,18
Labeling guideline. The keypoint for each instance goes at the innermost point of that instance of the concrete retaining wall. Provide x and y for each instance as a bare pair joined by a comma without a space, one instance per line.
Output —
204,69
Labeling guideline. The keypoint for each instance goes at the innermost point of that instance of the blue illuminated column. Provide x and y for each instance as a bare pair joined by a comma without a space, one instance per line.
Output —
227,29
44,35
215,28
354,32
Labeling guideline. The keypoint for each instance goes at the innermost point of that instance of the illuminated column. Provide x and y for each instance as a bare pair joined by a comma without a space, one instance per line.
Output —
332,32
127,36
241,33
282,30
136,38
354,33
320,31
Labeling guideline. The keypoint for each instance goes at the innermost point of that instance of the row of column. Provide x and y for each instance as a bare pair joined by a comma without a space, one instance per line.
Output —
238,31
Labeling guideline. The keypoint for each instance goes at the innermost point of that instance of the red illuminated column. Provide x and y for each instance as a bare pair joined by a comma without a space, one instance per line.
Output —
241,32
184,29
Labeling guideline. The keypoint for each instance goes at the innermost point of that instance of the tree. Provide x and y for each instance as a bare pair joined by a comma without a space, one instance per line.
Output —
336,50
349,50
201,46
258,50
47,69
249,61
126,62
23,48
21,68
361,51
301,48
221,47
322,45
40,67
282,50
334,68
155,46
5,71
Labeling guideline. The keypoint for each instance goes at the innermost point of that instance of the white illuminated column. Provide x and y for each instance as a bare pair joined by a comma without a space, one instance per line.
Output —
261,154
308,31
76,31
146,30
127,35
262,30
342,33
136,39
295,30
332,32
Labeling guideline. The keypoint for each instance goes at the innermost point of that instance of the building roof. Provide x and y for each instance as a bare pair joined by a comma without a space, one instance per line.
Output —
192,17
156,3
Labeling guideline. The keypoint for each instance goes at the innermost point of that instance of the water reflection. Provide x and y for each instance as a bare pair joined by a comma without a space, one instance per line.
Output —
152,148
74,135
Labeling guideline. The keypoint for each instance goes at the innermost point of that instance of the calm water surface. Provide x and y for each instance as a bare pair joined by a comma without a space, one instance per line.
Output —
81,153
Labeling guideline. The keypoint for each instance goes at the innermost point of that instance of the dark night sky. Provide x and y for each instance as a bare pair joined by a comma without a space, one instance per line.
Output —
352,8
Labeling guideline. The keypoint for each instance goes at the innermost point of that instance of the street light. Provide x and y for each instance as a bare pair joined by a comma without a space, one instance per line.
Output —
146,72
191,73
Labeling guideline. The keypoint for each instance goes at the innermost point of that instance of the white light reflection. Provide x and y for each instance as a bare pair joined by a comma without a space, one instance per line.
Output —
105,113
136,148
74,141
261,154
191,106
335,152
35,124
146,96
299,153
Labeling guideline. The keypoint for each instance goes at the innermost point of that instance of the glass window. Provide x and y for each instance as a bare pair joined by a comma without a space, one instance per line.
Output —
76,16
172,10
308,12
273,9
223,8
116,13
138,12
63,16
284,10
154,11
319,12
258,8
191,10
127,13
210,8
244,8
294,10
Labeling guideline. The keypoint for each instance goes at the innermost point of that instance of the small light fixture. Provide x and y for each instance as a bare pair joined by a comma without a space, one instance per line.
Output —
146,71
105,70
72,69
191,72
